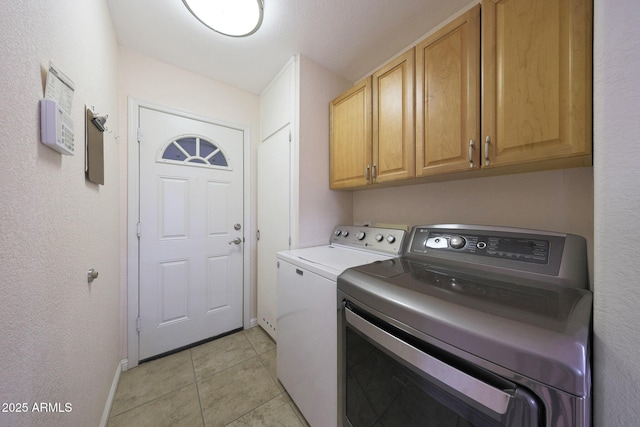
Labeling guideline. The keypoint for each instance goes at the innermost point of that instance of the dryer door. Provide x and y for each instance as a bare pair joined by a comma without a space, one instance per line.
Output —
393,378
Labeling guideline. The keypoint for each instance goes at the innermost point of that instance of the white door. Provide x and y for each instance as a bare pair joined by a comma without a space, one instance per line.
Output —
191,231
273,220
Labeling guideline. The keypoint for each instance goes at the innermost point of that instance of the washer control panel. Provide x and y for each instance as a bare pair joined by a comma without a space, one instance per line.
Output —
378,239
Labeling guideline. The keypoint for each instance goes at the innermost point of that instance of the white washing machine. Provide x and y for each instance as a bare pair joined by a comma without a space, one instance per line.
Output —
307,313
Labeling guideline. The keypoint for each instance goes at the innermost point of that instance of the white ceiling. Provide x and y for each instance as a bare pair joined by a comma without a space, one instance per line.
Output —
349,37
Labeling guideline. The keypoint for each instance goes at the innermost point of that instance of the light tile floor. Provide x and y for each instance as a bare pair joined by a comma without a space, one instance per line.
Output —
227,382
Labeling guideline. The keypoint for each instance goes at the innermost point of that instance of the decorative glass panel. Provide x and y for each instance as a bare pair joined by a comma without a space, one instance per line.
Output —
206,149
173,153
194,151
190,145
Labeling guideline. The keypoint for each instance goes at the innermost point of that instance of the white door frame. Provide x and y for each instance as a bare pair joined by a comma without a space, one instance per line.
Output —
133,215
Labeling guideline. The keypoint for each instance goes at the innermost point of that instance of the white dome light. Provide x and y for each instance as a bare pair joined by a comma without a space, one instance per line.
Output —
235,18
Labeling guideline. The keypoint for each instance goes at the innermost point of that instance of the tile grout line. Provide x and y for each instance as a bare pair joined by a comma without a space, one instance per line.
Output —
227,368
253,348
193,367
261,343
256,355
155,399
259,406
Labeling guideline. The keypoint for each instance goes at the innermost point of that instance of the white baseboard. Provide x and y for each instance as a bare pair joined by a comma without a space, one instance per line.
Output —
253,322
112,392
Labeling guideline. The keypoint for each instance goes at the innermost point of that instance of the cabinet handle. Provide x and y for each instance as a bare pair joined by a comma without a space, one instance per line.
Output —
373,172
471,147
366,173
487,141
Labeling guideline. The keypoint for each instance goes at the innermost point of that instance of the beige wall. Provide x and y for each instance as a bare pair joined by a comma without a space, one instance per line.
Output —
560,200
61,338
151,81
60,335
319,208
616,384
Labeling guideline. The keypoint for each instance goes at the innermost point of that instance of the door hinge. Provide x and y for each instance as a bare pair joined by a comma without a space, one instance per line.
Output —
258,235
139,135
138,324
289,240
138,228
289,136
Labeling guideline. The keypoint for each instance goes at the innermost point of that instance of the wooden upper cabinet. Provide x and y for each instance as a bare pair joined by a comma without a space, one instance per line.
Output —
508,88
393,120
536,83
350,137
448,98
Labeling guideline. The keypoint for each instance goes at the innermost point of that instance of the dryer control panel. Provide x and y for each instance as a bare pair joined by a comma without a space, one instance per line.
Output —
512,247
525,253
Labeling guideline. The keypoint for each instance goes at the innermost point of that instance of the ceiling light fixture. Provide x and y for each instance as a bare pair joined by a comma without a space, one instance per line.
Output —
234,18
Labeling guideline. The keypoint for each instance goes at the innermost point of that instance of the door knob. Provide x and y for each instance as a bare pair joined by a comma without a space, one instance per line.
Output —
236,241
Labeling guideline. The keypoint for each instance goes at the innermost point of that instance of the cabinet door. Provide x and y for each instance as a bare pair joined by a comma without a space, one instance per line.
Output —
448,98
393,120
350,137
536,97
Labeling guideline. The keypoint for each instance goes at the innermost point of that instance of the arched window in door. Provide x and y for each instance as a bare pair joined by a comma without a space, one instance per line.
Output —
193,151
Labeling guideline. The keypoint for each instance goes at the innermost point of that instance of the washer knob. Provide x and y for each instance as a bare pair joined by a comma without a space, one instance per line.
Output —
391,238
360,235
457,242
379,237
337,233
345,233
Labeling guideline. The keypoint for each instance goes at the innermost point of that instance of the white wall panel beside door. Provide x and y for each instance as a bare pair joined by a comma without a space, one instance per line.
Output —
295,206
277,101
274,183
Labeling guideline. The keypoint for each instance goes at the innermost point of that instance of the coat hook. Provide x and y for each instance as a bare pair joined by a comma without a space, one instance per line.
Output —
92,274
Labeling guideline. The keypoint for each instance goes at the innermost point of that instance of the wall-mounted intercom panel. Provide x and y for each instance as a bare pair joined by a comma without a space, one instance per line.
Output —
56,127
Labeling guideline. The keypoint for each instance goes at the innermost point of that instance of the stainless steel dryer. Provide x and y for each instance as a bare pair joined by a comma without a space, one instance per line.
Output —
473,326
